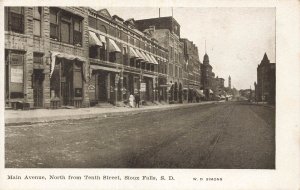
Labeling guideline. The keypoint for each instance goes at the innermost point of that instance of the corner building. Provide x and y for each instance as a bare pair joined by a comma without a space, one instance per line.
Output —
266,81
46,50
123,61
166,31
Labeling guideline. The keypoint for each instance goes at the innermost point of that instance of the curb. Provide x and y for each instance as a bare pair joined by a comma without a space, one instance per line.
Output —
27,121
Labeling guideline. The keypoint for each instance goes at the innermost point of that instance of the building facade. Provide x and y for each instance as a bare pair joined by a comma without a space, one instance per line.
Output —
192,76
46,50
266,81
124,61
207,78
219,88
166,31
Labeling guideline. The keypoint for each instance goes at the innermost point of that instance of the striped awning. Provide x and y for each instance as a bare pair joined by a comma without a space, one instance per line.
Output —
133,53
145,57
113,47
94,40
102,38
140,55
153,58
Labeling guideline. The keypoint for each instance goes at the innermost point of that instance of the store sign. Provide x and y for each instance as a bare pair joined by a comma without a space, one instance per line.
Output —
143,87
16,59
16,75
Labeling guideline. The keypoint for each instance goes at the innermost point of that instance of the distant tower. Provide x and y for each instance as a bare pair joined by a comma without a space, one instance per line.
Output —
206,59
229,82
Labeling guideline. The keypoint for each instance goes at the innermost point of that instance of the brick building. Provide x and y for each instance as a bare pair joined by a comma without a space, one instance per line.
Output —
45,56
166,31
265,88
192,74
124,61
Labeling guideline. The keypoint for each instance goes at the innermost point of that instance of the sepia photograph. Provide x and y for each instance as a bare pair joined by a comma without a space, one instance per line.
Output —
140,87
190,94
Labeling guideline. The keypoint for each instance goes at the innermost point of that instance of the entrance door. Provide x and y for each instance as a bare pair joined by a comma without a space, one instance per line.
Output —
102,92
66,83
38,78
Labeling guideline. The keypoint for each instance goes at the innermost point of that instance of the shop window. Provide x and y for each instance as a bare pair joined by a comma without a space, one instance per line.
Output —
14,19
16,73
37,14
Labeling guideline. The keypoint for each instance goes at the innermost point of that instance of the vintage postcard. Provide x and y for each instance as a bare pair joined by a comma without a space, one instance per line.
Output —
150,95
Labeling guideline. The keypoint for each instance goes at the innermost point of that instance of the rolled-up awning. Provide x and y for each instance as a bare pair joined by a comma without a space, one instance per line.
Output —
133,54
55,55
98,67
94,40
113,47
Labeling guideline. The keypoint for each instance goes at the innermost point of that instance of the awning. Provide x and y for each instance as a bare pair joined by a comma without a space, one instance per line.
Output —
113,47
145,57
152,57
199,93
102,38
140,55
98,67
94,40
133,54
55,55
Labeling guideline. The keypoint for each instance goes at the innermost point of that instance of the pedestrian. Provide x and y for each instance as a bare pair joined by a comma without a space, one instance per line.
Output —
131,101
137,100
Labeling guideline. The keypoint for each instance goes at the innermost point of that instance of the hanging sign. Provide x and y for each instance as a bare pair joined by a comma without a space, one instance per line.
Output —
143,87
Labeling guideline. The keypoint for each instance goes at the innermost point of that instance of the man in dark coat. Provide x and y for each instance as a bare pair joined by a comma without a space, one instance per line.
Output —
137,100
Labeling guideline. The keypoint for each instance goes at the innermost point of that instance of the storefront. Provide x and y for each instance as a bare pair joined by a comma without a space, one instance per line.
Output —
15,83
67,78
104,85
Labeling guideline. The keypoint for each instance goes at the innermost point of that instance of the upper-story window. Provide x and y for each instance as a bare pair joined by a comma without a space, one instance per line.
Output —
14,19
65,27
37,15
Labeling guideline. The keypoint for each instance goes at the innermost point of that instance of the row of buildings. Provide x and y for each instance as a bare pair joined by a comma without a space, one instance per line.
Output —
77,56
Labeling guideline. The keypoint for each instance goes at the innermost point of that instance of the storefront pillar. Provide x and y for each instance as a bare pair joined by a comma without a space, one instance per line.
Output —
122,84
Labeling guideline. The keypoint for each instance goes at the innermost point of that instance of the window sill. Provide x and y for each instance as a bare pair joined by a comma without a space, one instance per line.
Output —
65,44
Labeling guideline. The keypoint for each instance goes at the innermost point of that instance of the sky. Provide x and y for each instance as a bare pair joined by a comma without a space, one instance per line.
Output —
236,37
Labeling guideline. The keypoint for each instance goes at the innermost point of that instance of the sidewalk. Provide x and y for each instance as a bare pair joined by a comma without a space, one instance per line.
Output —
46,115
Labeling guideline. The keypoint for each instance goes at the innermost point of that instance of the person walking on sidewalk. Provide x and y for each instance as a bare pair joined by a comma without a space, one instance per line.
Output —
137,100
131,101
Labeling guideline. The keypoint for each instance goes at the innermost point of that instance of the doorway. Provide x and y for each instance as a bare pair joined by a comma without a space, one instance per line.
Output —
37,85
102,87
